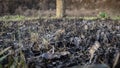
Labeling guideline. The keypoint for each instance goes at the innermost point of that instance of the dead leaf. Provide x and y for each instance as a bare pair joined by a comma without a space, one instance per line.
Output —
93,49
59,32
116,60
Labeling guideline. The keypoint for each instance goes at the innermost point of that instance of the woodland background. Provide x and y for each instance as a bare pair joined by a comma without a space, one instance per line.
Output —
47,7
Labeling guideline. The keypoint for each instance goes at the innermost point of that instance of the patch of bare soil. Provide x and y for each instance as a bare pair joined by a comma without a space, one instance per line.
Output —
61,43
69,12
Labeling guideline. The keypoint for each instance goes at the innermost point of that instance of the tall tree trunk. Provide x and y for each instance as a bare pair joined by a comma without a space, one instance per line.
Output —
60,8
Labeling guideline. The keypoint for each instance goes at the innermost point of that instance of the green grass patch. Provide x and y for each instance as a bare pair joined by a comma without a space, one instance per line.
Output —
16,18
102,16
12,18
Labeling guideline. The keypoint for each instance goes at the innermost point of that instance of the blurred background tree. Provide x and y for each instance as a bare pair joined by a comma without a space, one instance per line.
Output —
60,8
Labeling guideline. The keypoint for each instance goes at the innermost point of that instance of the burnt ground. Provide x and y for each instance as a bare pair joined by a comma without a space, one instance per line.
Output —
48,43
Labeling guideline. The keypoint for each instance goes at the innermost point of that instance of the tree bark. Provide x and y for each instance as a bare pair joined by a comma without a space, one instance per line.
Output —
60,8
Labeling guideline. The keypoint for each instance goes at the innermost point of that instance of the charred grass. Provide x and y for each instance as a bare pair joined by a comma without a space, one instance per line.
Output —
45,43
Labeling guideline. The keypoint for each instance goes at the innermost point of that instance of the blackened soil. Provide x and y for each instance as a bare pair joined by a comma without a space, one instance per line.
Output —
62,42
